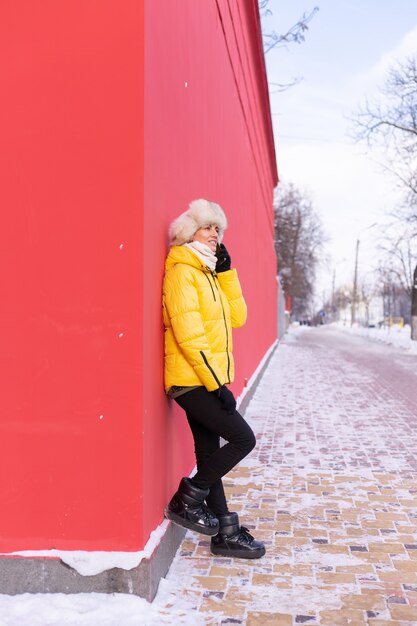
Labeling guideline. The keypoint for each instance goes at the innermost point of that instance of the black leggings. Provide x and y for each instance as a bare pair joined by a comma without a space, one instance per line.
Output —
208,422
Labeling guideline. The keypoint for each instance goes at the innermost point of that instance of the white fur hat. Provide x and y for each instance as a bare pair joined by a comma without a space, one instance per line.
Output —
200,213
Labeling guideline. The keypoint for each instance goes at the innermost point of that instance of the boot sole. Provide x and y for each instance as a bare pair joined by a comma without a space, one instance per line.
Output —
239,554
185,523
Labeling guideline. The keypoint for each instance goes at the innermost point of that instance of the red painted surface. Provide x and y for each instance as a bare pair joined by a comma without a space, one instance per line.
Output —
207,134
91,448
71,190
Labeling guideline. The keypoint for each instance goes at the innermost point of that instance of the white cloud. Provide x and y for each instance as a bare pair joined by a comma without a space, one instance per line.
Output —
370,79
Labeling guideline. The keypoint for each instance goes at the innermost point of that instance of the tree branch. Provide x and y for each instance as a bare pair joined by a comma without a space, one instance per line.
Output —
293,35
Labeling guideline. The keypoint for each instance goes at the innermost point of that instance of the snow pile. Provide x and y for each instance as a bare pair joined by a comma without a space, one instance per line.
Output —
92,563
91,609
394,335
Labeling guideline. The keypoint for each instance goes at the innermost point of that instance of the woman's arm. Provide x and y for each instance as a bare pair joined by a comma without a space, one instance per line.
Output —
229,282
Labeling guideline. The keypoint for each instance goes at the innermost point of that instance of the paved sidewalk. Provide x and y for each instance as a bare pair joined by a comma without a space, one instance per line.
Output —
331,488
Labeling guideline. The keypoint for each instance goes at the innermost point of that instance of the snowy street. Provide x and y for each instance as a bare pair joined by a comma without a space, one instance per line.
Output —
331,489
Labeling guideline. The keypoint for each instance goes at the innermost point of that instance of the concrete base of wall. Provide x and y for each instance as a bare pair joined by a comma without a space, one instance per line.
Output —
41,575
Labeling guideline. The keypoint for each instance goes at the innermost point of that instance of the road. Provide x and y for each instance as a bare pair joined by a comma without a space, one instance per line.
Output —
385,366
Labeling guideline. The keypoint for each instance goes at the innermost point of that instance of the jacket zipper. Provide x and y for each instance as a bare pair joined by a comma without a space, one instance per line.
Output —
227,335
212,290
210,368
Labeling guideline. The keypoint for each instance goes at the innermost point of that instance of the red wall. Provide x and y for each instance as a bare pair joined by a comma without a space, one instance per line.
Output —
91,448
71,192
207,134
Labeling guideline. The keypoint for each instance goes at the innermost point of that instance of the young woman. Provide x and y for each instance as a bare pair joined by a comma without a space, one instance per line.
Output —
202,302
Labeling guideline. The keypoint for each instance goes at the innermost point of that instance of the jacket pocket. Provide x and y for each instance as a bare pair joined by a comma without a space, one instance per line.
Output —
213,373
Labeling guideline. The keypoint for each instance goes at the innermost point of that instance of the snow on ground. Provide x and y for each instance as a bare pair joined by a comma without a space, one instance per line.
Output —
92,609
99,609
394,335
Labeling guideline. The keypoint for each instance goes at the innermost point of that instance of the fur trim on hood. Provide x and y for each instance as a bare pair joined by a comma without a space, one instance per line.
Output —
200,213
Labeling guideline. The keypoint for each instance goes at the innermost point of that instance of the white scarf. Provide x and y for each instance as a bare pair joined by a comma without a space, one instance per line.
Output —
204,253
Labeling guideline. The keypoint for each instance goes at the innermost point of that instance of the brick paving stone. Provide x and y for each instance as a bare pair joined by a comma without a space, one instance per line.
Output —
330,488
210,582
341,617
408,613
384,622
268,619
364,601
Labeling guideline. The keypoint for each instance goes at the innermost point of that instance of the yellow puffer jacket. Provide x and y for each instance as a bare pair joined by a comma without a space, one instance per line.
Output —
200,308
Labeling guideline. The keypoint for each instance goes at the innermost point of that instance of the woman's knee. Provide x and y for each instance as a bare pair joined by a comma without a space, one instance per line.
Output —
251,441
247,441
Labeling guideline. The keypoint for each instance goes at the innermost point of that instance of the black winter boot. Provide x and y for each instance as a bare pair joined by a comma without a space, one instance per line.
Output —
187,509
234,540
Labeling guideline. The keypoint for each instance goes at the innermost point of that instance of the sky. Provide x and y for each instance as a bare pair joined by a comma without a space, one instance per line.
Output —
348,49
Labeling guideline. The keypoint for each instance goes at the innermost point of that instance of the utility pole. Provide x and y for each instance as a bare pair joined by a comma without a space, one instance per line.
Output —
355,286
414,307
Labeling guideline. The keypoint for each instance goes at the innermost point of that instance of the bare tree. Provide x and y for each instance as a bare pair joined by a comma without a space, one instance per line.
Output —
299,239
295,34
272,39
392,122
399,254
341,300
397,268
